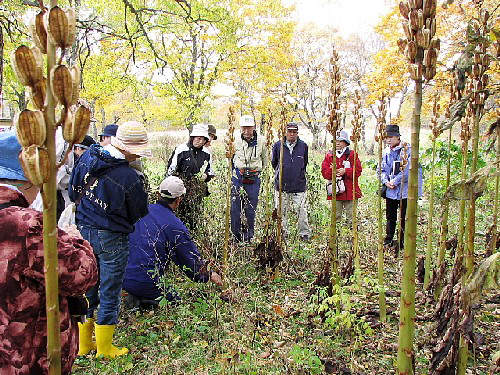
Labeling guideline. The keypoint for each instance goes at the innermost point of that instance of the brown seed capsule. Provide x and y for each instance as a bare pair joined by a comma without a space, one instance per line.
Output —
486,61
27,64
414,20
476,71
38,93
407,30
404,9
75,77
62,27
30,128
76,127
39,32
485,15
61,84
420,18
432,12
35,163
412,4
418,4
436,44
412,50
485,79
426,38
402,45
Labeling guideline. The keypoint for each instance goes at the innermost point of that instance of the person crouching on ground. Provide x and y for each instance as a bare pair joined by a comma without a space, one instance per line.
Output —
344,159
158,238
295,158
23,343
110,199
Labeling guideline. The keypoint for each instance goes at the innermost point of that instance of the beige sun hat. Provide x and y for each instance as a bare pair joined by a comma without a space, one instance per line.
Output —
200,130
132,137
172,187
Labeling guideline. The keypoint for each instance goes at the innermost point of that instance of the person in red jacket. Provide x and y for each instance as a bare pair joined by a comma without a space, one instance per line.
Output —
345,167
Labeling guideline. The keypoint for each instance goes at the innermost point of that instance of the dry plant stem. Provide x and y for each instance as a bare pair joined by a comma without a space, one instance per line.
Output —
280,186
398,246
355,246
380,260
493,242
50,230
407,304
430,229
228,213
332,243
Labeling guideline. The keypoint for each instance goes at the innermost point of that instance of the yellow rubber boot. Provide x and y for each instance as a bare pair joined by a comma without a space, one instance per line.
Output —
85,331
104,338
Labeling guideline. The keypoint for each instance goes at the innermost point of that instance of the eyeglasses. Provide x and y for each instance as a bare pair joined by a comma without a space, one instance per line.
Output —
23,185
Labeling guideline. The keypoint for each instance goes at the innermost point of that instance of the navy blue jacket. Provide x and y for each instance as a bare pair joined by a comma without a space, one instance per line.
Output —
116,200
158,238
294,166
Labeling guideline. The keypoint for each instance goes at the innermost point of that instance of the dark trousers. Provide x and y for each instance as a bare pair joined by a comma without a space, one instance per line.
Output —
391,214
247,201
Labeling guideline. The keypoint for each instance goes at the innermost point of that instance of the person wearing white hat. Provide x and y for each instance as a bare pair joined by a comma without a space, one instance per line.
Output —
110,199
189,160
250,158
158,238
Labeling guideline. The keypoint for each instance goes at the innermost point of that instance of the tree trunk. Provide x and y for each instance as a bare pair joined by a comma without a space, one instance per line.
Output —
407,304
430,229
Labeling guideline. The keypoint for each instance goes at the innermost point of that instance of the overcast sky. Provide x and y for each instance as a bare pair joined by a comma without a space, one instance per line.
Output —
348,16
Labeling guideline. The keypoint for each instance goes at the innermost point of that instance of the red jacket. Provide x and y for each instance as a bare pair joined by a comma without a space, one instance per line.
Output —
23,321
326,171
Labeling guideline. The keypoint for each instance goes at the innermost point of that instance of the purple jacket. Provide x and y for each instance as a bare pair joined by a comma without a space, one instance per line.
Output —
294,166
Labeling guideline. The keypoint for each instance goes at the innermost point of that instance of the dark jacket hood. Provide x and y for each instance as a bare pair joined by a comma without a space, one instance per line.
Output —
102,161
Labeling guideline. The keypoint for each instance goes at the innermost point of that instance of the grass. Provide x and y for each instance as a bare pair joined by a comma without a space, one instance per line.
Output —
272,326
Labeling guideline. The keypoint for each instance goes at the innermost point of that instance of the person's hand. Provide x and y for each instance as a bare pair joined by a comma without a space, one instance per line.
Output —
340,172
72,230
215,278
390,185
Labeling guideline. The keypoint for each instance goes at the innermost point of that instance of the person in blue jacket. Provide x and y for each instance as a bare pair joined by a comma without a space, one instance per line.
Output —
295,159
110,199
396,183
158,238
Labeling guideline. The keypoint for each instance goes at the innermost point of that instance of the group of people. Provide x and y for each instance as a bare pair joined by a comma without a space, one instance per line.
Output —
121,242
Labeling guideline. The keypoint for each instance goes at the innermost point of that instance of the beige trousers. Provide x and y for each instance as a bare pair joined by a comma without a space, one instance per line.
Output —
299,200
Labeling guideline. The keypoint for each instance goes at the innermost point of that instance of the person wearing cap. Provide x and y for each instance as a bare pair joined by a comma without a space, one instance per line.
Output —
344,159
212,133
188,161
111,200
23,343
250,158
84,145
295,159
158,238
396,182
108,132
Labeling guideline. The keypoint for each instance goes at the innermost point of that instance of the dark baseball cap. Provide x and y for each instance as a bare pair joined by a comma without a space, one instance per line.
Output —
109,131
292,126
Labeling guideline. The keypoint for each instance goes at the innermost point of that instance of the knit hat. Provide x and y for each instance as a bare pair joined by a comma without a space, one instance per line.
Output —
109,131
172,187
200,130
246,120
132,137
212,131
392,131
343,136
10,167
86,143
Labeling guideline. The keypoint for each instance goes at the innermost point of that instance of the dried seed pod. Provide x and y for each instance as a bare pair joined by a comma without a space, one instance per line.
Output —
419,37
420,18
412,50
476,71
75,77
485,15
407,30
35,163
61,84
27,64
30,128
38,93
433,27
429,72
76,127
418,4
39,32
426,7
402,45
485,80
415,71
486,61
477,58
404,9
436,44
432,12
414,20
427,36
62,27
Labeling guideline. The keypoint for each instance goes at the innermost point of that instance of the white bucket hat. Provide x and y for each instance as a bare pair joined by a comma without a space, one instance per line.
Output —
246,120
343,136
132,137
200,130
172,187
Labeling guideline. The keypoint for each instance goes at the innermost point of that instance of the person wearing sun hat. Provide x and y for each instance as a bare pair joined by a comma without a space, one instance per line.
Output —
23,346
111,200
158,238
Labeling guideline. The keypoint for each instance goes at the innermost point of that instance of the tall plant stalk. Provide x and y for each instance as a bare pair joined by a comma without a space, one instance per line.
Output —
494,232
356,134
230,150
281,136
334,121
421,50
430,228
404,163
379,137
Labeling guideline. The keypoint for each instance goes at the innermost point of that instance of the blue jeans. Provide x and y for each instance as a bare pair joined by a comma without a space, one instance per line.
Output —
249,203
111,251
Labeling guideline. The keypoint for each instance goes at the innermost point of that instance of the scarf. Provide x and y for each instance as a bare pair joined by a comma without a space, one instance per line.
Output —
339,153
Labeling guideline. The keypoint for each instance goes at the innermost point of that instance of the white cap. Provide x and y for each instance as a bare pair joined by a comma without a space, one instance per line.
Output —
246,120
172,187
343,136
200,130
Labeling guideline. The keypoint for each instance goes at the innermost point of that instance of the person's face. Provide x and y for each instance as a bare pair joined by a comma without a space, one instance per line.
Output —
104,140
247,132
177,202
198,142
78,151
339,145
129,156
393,141
292,135
29,190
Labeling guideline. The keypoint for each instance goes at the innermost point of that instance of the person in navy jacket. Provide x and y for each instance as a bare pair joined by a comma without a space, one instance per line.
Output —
295,158
158,238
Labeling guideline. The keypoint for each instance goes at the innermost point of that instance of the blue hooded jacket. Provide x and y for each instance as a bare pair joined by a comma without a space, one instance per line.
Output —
116,200
389,159
159,237
294,166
